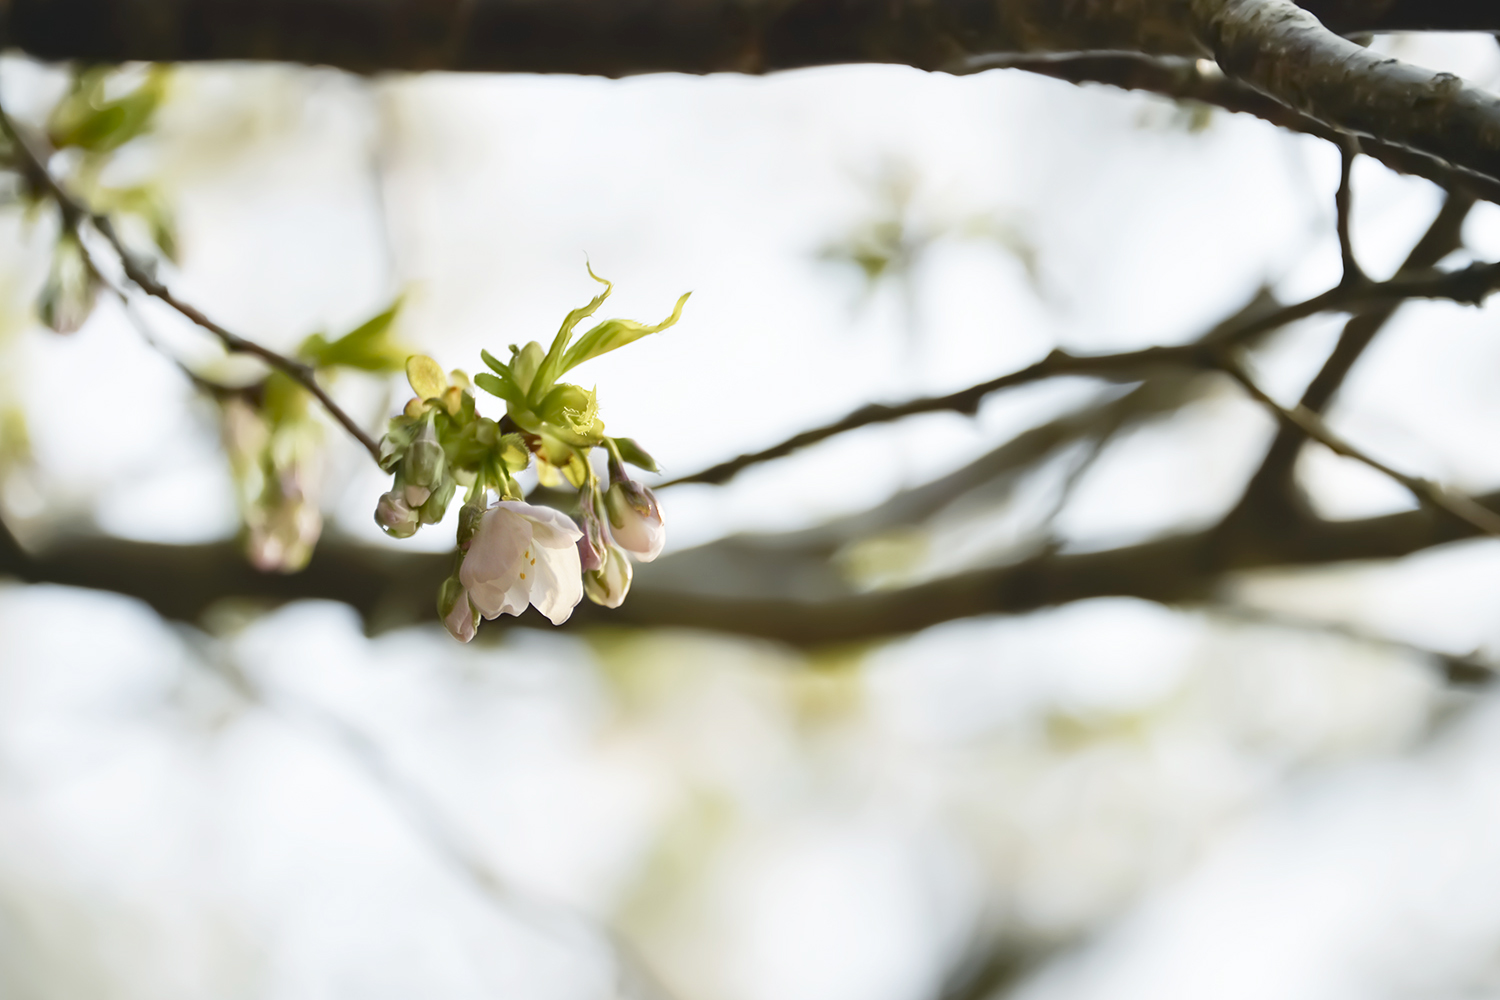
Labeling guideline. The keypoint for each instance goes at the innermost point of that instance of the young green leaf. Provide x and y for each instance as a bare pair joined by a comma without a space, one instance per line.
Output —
613,333
552,365
368,347
635,454
502,386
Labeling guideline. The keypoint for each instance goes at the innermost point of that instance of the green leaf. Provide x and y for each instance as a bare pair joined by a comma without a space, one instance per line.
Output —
552,365
368,347
613,333
88,119
635,454
502,386
496,365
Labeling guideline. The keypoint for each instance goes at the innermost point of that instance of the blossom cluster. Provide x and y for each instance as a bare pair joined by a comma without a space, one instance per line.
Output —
513,554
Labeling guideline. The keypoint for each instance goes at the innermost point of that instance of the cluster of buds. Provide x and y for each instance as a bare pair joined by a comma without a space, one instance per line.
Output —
512,554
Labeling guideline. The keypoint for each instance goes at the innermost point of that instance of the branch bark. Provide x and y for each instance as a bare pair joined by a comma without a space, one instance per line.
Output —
1285,52
622,37
704,588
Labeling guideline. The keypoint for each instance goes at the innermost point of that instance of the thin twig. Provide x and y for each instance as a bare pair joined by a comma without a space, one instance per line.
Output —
76,213
1312,424
1468,669
1470,285
1342,201
426,818
1272,483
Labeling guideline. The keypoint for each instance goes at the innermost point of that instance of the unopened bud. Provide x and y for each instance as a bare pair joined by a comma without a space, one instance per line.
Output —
425,459
635,521
396,516
469,516
459,615
609,584
591,547
436,505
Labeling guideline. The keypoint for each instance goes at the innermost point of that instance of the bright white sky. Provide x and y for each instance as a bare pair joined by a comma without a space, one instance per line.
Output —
856,827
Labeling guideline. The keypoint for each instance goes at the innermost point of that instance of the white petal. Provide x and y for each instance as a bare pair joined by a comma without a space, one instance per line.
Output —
545,518
642,536
495,553
559,582
460,621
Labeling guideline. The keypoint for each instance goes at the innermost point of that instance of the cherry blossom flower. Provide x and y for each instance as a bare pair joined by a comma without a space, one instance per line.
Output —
523,554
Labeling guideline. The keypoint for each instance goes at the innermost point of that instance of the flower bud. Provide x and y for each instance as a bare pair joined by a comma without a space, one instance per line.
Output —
459,615
591,547
469,516
436,505
635,521
609,584
415,496
425,459
395,515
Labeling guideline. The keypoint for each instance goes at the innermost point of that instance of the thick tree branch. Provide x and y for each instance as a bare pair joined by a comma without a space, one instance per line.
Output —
75,214
621,37
1283,51
390,588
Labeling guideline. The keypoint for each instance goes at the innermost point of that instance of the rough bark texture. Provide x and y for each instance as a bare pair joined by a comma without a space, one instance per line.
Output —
620,37
1282,50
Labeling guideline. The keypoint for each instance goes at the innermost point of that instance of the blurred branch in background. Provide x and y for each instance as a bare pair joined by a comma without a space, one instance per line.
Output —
425,818
75,215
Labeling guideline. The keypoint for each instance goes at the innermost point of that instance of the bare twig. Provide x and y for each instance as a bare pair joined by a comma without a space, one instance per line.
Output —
1470,285
1312,425
1342,201
75,214
431,824
1270,489
1467,669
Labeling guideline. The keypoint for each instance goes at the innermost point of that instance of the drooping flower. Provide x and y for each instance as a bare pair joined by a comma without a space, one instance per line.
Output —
609,584
523,554
635,521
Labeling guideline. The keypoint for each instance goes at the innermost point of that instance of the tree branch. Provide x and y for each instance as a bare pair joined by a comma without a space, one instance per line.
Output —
1469,285
75,214
395,588
621,37
1311,424
1462,670
1271,490
1285,52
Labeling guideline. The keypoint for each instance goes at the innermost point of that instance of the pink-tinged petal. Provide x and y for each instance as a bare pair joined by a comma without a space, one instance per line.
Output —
545,519
461,622
559,582
635,521
496,599
495,552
